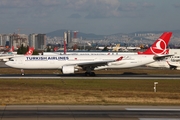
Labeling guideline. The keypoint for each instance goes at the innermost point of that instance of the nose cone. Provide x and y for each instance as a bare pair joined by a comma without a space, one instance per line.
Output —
8,63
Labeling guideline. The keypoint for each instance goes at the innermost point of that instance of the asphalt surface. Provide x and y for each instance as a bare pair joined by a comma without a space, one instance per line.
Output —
85,112
2,64
82,76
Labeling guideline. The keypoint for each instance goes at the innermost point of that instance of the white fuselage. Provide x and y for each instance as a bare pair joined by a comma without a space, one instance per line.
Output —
58,61
158,64
166,62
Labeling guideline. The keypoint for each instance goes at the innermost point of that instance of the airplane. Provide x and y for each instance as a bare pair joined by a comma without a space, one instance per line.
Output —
118,47
69,64
10,51
170,62
6,57
113,48
174,62
159,64
174,65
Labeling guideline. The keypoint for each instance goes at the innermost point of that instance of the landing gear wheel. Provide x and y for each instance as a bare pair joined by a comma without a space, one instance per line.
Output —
87,74
90,74
22,72
172,68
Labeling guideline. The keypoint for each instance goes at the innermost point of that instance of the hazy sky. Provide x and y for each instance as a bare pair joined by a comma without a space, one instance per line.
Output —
89,16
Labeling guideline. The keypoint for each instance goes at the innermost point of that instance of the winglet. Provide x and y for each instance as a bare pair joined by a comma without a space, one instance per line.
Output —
160,45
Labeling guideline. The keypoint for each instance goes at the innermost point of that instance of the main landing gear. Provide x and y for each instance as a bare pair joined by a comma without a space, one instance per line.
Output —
89,70
90,74
173,67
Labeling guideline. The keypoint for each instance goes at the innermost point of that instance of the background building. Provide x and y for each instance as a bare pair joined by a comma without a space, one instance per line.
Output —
1,41
5,40
32,40
17,40
40,41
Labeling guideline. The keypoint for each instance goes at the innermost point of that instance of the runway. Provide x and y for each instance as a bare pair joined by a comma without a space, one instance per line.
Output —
89,112
82,76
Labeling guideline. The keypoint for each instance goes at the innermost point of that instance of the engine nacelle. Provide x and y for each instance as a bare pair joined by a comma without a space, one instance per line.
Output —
178,68
5,59
68,70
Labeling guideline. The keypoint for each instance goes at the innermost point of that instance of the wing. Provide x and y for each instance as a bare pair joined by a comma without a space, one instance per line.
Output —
6,58
94,64
161,57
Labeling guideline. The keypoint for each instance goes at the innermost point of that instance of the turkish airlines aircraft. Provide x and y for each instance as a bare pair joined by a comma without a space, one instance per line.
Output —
69,64
159,64
6,57
10,51
174,64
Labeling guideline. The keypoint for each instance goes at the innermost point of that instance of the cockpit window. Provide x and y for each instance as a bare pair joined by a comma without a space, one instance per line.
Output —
11,59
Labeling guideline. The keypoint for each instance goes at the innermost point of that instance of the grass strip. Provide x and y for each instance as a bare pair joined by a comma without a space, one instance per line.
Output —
89,92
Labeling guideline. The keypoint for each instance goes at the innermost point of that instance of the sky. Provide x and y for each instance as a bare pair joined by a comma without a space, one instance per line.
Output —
102,17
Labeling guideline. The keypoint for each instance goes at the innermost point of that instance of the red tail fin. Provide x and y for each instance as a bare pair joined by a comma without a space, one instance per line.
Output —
160,45
12,49
55,49
30,52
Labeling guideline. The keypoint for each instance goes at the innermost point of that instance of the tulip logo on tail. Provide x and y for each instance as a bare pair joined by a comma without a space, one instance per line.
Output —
30,52
160,47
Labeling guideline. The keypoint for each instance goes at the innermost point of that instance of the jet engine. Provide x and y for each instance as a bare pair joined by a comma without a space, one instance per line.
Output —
68,70
5,59
178,68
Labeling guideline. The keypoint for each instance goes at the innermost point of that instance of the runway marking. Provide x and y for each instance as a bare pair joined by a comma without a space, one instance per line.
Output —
158,119
152,109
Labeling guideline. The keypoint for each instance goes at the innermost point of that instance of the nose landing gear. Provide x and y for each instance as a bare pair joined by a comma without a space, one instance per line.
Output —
22,72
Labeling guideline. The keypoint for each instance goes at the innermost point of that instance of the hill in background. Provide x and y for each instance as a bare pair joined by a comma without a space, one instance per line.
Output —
60,33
